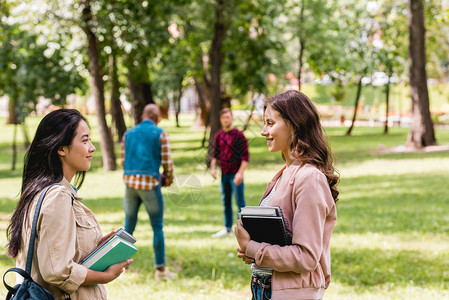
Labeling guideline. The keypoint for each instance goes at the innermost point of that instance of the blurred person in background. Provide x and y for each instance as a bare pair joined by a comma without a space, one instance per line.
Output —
146,147
231,152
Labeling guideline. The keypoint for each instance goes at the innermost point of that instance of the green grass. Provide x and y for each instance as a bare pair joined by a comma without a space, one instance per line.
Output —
391,240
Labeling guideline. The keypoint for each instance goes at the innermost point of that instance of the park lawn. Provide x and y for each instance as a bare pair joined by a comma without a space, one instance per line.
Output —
391,240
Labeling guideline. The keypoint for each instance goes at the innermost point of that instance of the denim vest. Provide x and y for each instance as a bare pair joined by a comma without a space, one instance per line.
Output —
143,150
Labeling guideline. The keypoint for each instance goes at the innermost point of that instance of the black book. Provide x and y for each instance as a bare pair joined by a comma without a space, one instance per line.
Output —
265,224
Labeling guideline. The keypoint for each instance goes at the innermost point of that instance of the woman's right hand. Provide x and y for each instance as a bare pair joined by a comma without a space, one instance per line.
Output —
115,270
111,273
241,254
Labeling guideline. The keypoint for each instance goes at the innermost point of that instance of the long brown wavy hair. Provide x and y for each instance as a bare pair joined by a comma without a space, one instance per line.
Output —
307,143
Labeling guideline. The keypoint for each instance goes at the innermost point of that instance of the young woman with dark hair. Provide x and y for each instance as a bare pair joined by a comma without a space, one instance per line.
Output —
306,191
67,230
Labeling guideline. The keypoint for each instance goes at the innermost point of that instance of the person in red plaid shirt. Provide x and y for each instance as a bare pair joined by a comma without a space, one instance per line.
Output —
231,151
146,147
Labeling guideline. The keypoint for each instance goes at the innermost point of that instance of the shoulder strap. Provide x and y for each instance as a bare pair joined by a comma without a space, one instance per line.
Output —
33,229
21,272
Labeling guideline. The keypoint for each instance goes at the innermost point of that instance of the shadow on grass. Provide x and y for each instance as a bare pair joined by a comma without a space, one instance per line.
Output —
361,155
403,203
104,205
215,264
364,268
361,268
9,174
384,204
7,205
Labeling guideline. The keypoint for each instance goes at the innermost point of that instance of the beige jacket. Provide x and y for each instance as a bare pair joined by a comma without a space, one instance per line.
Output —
301,270
65,234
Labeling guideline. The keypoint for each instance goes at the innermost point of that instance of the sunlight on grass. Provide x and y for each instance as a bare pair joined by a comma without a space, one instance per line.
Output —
394,167
386,291
397,242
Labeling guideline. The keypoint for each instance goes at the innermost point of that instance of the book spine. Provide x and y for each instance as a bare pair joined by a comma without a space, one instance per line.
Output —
287,233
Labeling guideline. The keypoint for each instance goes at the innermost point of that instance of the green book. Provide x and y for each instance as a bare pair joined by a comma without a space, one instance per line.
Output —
114,251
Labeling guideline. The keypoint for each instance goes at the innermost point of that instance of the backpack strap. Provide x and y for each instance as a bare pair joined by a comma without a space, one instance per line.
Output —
33,230
24,274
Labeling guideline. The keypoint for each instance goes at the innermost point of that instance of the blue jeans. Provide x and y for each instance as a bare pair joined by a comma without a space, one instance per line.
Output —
154,204
227,188
261,287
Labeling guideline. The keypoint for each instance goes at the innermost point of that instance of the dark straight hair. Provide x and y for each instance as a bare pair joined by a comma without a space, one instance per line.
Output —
42,167
307,143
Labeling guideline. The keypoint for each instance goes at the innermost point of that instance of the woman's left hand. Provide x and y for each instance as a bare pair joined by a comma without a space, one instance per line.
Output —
105,238
242,236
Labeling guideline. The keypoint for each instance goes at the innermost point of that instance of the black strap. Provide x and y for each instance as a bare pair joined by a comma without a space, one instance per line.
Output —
26,274
21,272
33,230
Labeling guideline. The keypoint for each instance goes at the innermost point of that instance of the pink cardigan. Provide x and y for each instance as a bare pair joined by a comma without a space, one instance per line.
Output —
301,270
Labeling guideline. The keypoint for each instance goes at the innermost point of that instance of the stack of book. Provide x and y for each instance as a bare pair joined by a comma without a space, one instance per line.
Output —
265,224
117,248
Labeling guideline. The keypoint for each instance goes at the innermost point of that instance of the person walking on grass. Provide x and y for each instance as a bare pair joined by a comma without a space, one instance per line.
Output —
67,230
306,191
231,151
146,147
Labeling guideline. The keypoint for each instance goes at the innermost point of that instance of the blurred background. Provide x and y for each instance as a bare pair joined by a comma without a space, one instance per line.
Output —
378,72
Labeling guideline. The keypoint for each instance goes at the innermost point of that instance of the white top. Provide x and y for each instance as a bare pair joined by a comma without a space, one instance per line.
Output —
255,268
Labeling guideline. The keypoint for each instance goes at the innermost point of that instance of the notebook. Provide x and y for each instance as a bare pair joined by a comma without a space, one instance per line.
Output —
114,250
265,224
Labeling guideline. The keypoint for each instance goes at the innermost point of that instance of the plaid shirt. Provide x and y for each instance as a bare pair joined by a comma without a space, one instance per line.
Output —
147,182
230,148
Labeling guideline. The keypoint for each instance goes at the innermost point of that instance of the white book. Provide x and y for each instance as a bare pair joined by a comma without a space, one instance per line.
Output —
261,211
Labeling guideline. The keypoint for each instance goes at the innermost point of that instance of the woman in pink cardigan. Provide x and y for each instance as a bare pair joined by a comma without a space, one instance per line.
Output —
306,191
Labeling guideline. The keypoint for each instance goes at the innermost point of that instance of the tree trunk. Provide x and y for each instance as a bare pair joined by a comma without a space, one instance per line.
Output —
97,88
14,148
141,95
116,105
302,43
253,106
147,92
387,103
13,118
203,104
26,138
137,101
421,129
216,60
203,142
178,101
356,105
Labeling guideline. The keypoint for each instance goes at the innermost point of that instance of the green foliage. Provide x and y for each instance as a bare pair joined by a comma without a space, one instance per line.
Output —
392,22
338,92
437,32
251,47
261,38
30,67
